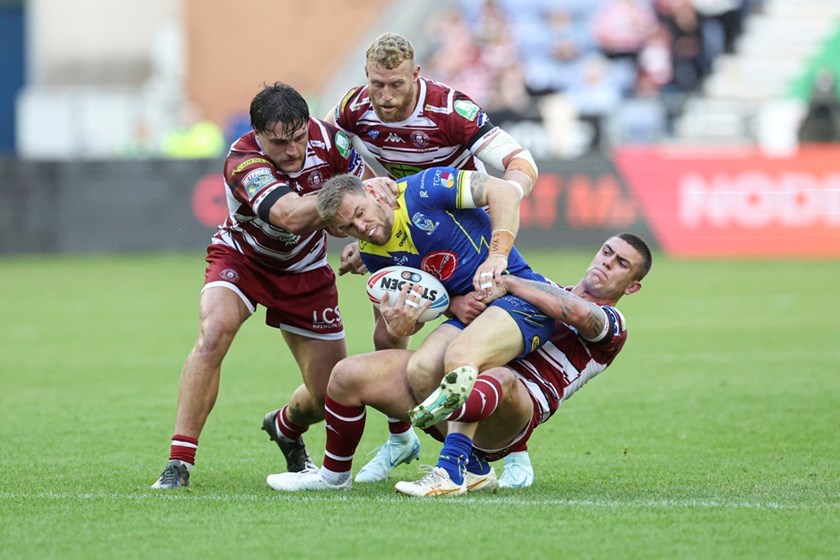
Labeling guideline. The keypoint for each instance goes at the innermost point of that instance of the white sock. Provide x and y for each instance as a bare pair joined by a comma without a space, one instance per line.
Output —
402,438
334,478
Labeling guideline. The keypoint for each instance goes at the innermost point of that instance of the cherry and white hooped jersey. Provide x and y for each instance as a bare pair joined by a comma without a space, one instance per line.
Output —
252,179
445,130
565,363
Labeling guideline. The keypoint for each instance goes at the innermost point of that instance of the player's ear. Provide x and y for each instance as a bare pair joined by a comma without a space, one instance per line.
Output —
633,288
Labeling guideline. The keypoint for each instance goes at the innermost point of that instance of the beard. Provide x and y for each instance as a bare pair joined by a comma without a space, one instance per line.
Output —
400,113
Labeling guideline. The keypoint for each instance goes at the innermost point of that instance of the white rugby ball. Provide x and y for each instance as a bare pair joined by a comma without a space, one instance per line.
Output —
391,279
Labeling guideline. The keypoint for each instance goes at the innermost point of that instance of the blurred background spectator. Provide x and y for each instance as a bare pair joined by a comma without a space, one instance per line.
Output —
822,120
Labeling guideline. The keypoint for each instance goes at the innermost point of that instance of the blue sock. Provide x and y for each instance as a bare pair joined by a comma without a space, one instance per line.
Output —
453,456
477,464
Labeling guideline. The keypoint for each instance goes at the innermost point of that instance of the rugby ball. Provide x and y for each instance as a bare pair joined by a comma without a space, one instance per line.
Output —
391,279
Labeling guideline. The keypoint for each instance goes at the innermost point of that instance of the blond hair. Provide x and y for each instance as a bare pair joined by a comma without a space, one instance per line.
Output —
389,50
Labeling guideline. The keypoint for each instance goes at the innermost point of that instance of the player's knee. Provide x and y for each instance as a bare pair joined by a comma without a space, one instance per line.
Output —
460,354
422,377
344,380
214,338
506,378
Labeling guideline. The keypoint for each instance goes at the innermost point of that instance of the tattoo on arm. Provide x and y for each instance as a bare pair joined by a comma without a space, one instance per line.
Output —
595,321
478,182
564,302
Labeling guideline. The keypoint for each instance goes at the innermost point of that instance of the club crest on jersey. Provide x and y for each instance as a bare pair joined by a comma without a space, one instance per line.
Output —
423,223
440,264
230,275
466,109
315,178
419,138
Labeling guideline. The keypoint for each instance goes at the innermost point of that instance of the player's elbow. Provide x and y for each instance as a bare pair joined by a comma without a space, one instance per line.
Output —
520,165
575,315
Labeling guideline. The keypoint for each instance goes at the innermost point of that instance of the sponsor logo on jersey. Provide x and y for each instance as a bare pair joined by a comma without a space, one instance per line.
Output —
445,179
342,143
230,275
257,184
340,107
287,238
440,264
327,318
356,166
373,133
423,223
315,178
482,120
249,162
466,109
394,137
419,138
429,108
246,180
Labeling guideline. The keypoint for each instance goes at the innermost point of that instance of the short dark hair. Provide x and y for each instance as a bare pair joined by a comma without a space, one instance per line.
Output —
278,103
639,245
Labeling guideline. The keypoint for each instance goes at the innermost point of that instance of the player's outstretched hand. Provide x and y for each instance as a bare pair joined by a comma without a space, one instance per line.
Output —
383,189
401,317
351,260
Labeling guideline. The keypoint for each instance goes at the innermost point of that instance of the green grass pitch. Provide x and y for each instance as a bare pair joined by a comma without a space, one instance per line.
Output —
716,434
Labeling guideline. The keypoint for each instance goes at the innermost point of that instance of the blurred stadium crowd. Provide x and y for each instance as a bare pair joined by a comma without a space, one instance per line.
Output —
507,53
577,61
565,77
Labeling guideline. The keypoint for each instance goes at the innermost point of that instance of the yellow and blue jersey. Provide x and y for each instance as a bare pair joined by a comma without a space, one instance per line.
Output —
435,233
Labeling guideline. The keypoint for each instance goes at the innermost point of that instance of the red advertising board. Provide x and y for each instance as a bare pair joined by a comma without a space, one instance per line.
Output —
729,202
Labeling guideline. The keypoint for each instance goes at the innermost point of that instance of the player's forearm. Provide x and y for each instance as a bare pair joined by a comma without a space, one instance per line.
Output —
520,168
503,207
501,198
384,339
559,304
296,214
